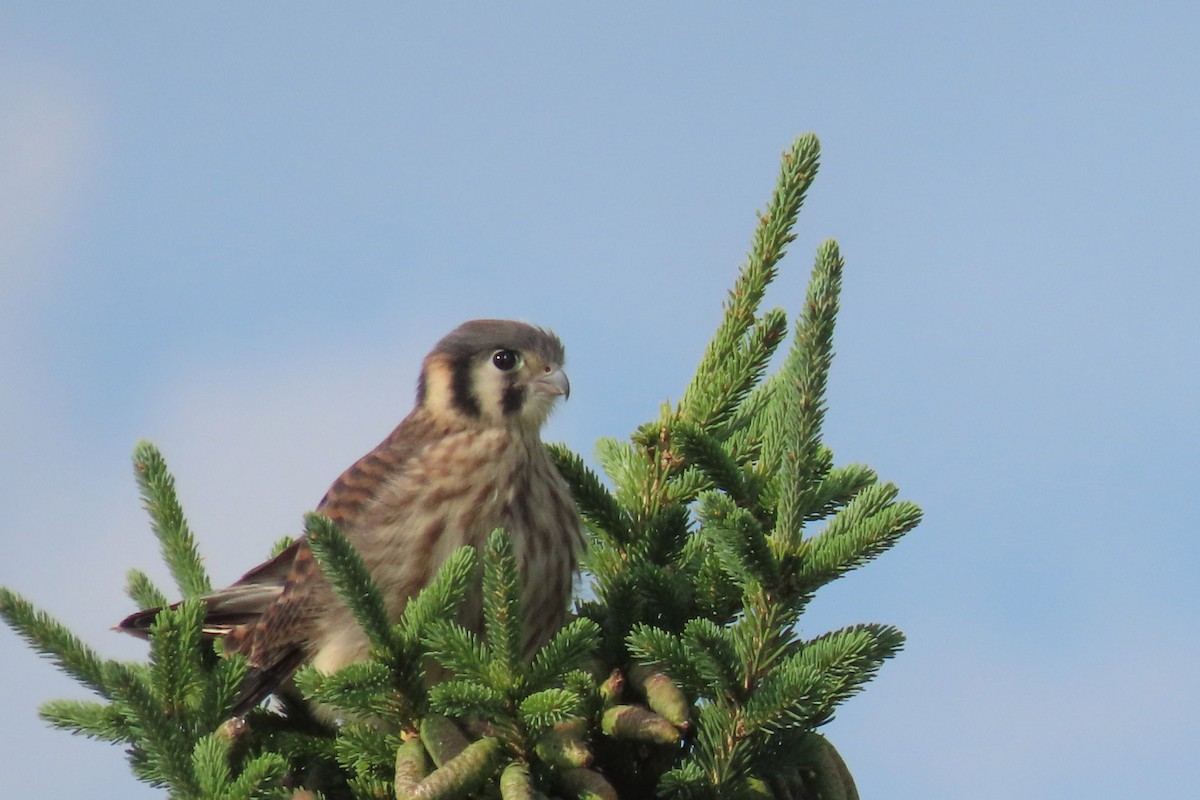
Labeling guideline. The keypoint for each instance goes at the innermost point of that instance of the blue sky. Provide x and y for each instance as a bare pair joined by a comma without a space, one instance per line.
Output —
236,231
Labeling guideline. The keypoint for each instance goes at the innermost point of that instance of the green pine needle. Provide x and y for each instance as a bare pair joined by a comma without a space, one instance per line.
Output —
442,596
866,527
210,763
657,647
716,396
168,522
367,750
804,688
568,650
708,455
796,414
281,544
682,487
259,777
848,658
628,471
599,508
502,606
459,650
460,698
177,676
839,486
717,657
222,688
49,637
769,245
142,591
543,710
344,569
163,755
362,689
740,542
100,721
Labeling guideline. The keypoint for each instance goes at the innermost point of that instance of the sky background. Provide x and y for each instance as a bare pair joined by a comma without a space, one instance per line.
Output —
235,232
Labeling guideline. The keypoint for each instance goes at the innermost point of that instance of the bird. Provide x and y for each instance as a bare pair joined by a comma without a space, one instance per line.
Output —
466,460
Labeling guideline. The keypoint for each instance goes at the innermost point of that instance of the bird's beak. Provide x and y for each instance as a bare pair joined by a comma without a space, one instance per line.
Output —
553,383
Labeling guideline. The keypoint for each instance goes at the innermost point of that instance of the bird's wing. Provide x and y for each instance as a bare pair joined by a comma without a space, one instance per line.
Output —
283,635
356,488
277,642
234,606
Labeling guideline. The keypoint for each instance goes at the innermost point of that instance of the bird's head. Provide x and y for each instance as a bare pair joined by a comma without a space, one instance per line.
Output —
495,372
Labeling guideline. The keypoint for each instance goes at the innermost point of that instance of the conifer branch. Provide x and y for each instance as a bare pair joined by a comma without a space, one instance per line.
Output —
597,505
458,650
50,638
568,650
258,777
162,756
739,541
839,486
142,591
221,689
346,572
630,473
866,527
175,671
846,660
210,762
360,689
95,720
792,444
713,461
666,651
439,600
502,605
769,244
168,522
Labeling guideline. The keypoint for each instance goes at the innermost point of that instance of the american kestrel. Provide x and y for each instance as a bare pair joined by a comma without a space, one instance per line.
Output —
466,460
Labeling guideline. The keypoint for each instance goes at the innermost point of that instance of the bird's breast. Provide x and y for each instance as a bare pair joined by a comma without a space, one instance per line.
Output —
454,493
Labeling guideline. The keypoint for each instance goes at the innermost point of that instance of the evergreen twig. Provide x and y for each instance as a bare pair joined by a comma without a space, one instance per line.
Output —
50,638
344,569
168,522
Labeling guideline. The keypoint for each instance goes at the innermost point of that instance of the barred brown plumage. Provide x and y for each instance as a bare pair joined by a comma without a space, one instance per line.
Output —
466,460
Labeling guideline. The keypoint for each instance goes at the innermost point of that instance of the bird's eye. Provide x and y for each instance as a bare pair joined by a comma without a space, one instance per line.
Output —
506,360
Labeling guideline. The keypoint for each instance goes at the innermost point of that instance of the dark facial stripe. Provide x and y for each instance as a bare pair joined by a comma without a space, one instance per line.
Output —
460,388
514,398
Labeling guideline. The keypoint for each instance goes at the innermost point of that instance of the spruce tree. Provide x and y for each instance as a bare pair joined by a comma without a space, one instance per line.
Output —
682,673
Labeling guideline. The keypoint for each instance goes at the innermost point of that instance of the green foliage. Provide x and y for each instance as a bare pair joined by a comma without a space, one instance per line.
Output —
50,638
169,714
168,522
344,568
683,674
520,700
723,494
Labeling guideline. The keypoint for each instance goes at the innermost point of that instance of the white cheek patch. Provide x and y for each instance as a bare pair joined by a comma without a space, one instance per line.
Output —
505,398
489,384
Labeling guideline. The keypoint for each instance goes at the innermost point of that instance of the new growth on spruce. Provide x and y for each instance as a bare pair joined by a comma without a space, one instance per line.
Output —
682,675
